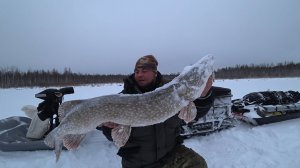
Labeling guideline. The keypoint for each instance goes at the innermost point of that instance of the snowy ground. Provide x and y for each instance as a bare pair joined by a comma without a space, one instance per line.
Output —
275,145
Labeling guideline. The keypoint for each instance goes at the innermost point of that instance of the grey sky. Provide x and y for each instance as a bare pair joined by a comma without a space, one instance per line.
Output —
97,36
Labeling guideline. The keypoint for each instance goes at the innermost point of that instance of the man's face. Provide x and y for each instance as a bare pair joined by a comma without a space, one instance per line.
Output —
144,77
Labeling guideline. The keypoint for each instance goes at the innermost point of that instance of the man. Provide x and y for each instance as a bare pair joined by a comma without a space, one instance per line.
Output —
159,145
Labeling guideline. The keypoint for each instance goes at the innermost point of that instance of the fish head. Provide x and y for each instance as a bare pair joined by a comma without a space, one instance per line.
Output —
195,77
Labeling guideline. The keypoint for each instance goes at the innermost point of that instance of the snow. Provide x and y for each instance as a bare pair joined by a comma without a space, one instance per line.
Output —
274,145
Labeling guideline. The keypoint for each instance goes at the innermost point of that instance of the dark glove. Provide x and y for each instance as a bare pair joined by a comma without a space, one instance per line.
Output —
106,132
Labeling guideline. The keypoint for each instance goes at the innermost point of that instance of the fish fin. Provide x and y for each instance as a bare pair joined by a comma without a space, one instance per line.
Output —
120,135
65,107
53,141
29,110
72,141
188,113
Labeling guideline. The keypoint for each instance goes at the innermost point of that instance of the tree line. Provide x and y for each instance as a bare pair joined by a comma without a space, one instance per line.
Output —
12,77
280,70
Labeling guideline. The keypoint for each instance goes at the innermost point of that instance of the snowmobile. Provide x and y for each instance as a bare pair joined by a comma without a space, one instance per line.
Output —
14,129
212,116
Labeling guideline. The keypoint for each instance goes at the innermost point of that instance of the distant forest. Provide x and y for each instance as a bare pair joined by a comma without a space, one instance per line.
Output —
281,70
12,77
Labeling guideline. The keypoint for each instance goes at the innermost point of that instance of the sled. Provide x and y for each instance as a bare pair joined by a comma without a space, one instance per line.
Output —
13,136
266,114
258,108
13,130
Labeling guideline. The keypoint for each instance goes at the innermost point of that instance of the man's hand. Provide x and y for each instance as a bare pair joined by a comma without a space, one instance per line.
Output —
208,86
110,124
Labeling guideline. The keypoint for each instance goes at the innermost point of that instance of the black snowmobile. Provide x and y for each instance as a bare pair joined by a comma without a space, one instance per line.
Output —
213,114
13,129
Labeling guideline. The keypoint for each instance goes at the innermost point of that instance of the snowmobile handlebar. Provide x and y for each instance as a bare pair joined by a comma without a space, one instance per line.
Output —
50,94
49,107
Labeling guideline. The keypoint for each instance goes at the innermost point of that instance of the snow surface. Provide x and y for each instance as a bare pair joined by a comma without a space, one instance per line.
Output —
274,145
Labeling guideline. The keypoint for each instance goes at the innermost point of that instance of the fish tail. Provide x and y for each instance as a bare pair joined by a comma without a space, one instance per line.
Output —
53,141
58,148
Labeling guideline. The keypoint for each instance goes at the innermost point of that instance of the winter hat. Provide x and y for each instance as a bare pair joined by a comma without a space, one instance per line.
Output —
147,62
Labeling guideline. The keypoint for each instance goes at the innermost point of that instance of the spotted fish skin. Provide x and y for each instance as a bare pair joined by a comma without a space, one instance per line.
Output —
133,110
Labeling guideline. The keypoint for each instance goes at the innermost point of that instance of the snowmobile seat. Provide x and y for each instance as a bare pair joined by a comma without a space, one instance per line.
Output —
213,114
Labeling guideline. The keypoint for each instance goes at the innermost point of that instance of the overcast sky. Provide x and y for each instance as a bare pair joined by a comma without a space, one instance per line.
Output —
107,37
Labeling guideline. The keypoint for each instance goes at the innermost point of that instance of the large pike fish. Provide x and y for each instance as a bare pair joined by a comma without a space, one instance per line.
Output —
79,117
